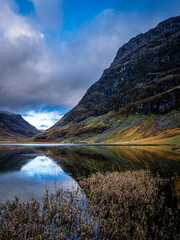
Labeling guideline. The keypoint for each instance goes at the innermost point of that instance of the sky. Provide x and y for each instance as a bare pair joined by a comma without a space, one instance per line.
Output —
52,51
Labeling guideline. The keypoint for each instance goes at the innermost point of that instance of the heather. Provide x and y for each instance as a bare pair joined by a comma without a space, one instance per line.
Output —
128,205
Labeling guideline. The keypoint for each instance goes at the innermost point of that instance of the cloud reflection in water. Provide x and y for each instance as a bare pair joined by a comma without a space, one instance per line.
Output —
34,177
43,167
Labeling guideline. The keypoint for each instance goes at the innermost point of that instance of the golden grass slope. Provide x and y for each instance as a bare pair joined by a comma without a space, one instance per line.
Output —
112,128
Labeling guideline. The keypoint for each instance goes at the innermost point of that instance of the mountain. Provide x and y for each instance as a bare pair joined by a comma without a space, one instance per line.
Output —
14,127
137,97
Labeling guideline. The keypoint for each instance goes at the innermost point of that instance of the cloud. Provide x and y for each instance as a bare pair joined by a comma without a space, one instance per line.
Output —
15,26
49,13
42,120
32,72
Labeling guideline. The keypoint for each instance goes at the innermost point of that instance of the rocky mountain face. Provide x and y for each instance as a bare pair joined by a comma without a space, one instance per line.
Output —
14,127
137,97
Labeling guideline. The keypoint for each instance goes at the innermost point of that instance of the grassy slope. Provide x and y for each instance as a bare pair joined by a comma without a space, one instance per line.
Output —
110,128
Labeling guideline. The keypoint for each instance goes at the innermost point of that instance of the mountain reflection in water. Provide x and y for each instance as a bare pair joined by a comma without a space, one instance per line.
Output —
27,171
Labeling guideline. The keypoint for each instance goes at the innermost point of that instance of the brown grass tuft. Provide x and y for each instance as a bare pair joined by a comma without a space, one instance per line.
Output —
132,205
129,205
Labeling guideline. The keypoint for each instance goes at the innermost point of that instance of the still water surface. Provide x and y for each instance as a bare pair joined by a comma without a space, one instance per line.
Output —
28,170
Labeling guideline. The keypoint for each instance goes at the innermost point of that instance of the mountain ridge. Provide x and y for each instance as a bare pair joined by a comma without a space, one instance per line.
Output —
142,80
14,127
150,36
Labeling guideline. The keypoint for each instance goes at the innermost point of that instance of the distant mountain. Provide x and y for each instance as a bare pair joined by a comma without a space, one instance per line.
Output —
14,127
136,98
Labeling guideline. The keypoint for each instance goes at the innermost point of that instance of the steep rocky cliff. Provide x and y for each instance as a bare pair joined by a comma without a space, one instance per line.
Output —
137,97
14,127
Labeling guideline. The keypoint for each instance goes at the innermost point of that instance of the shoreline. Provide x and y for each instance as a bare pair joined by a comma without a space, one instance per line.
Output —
86,144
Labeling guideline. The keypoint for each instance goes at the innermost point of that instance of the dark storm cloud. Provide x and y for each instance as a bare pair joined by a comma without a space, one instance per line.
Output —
32,73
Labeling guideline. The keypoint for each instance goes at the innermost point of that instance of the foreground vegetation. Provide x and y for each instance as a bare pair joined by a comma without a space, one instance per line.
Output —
133,205
129,205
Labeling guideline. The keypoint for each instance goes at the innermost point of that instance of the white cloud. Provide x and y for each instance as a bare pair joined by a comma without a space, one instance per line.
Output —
42,120
15,26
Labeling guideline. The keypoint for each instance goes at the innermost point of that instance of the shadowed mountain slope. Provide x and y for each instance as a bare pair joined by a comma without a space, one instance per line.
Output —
137,97
14,127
